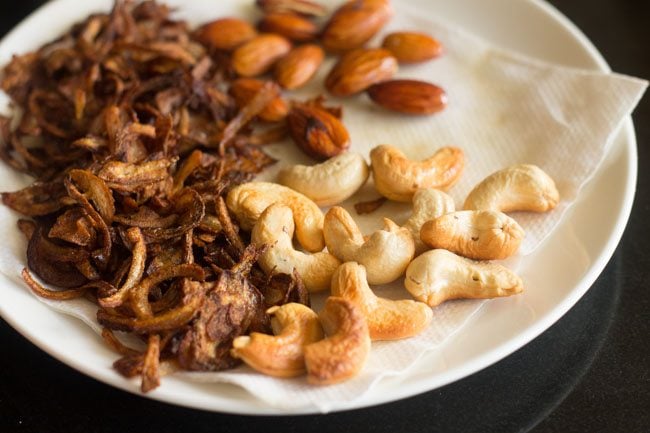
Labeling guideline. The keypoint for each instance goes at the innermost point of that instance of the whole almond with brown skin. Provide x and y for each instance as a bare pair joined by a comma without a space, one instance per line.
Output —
226,33
318,133
302,7
409,96
354,23
245,89
259,54
360,69
299,66
412,47
289,25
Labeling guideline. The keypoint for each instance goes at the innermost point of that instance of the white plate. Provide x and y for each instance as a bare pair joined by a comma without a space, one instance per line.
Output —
564,267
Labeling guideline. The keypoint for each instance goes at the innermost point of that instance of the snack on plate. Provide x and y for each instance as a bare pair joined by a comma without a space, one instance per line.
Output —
144,137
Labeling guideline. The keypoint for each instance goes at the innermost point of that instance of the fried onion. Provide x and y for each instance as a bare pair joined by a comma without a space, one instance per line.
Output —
127,126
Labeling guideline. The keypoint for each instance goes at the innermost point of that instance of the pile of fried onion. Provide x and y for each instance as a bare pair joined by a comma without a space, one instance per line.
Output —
126,124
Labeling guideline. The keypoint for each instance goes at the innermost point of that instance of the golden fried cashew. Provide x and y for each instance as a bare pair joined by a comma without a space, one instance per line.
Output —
345,351
428,204
275,228
480,235
329,182
397,177
440,275
385,254
247,201
522,187
280,355
387,319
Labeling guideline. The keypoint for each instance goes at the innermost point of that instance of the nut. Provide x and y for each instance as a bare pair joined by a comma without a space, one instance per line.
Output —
480,235
397,178
387,319
522,187
354,23
275,229
317,132
280,355
412,47
385,254
243,90
247,202
299,66
439,275
289,25
428,204
302,7
330,182
360,69
258,55
345,351
409,96
226,33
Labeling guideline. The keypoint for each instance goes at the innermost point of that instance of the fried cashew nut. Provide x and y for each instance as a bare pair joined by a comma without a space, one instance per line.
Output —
522,187
480,235
330,182
275,228
385,254
344,352
398,178
439,275
282,354
387,319
428,204
247,202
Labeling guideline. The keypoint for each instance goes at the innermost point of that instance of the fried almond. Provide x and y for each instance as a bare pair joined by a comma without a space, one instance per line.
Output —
302,7
354,23
259,54
360,69
226,33
409,96
412,47
317,132
289,25
299,66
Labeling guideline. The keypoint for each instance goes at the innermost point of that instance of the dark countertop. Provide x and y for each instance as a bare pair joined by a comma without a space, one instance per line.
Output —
590,372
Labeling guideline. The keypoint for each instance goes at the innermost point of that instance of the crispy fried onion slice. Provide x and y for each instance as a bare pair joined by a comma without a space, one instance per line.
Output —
55,263
232,307
266,94
93,189
190,164
280,289
140,293
123,176
40,198
146,217
75,227
62,295
174,318
148,363
189,207
136,270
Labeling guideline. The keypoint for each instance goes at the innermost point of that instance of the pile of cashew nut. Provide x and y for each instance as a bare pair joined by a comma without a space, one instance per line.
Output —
441,252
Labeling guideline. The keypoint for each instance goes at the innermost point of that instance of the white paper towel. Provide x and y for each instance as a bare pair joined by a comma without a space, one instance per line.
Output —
504,109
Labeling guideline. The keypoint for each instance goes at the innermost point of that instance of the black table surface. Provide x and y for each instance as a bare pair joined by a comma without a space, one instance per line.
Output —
590,372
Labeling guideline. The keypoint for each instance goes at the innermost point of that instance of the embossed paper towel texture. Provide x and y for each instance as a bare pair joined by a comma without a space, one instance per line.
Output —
503,109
